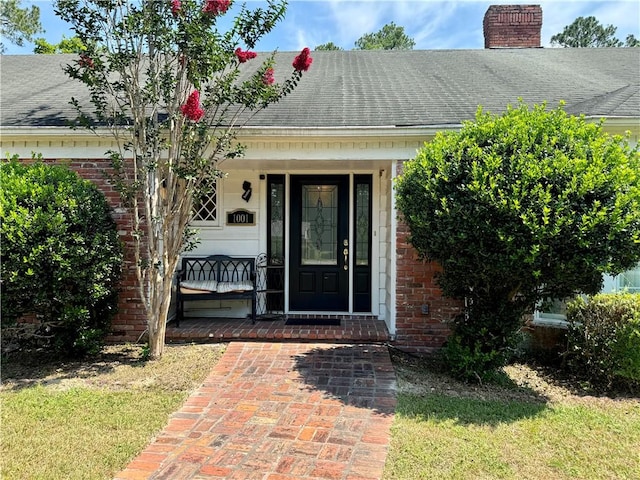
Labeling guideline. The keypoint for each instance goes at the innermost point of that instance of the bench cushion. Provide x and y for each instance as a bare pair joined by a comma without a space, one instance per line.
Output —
203,286
226,287
200,285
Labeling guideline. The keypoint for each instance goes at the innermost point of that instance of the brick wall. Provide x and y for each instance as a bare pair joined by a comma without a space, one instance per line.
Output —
416,286
512,26
129,323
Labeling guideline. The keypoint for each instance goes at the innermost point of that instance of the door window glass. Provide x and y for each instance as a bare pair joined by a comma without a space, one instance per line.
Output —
275,247
363,217
319,224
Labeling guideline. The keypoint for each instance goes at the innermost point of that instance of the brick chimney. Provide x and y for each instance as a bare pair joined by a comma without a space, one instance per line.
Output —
512,26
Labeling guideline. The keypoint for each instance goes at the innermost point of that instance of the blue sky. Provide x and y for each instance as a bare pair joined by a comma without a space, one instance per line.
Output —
432,24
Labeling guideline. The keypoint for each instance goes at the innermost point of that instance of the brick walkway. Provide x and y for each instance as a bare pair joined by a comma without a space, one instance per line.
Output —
280,411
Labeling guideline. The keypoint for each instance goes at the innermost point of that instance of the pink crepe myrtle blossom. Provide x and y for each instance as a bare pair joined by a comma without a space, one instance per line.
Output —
244,56
303,61
267,78
192,109
216,7
176,6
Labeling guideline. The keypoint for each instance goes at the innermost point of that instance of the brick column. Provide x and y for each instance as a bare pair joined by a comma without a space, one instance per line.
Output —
418,330
129,322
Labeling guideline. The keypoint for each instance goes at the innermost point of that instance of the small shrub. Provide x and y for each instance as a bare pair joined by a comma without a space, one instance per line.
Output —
470,362
61,258
604,339
478,360
485,337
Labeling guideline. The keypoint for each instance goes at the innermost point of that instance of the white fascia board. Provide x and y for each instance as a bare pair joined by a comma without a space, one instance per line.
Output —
616,119
57,132
55,142
263,143
52,134
341,132
266,143
619,125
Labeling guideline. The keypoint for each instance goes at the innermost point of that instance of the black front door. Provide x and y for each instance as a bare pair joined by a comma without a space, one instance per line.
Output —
319,243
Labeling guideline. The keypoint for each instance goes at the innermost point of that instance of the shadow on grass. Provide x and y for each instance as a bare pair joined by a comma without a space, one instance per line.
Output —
25,369
466,411
583,386
430,393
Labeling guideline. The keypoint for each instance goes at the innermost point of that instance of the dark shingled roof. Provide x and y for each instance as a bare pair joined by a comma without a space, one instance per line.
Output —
381,88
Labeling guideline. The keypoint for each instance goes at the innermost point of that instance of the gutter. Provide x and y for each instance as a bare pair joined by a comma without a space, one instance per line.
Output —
355,131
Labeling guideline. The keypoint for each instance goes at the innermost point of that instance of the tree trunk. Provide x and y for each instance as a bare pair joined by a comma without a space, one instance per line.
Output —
157,316
157,330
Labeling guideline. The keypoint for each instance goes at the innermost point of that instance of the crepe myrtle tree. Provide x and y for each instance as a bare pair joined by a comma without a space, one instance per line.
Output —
517,208
173,88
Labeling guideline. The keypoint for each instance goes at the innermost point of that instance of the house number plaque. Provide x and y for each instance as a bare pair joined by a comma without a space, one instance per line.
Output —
241,217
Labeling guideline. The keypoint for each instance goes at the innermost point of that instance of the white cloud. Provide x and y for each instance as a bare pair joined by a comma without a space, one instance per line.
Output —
345,21
351,20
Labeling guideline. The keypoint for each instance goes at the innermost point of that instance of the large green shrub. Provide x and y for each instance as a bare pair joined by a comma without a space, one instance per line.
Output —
61,257
604,338
517,208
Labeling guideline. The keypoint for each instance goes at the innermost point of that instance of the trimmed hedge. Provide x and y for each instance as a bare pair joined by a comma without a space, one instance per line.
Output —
516,208
61,258
604,339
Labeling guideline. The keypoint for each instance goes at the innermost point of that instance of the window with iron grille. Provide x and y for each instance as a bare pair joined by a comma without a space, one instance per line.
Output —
206,209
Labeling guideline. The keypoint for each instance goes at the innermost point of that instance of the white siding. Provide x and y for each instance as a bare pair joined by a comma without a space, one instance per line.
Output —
236,240
390,258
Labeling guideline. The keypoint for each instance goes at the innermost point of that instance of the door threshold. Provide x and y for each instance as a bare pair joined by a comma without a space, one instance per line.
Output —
331,315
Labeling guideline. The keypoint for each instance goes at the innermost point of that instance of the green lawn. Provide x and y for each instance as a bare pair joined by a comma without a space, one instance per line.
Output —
78,433
88,420
442,437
